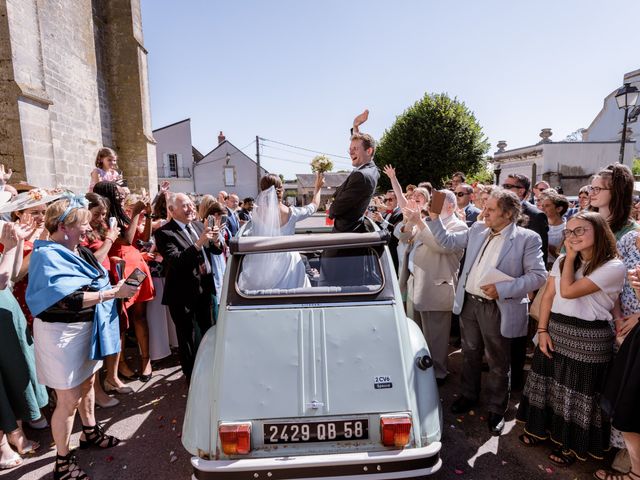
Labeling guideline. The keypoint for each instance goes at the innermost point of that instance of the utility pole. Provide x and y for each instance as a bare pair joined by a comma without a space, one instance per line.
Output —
258,162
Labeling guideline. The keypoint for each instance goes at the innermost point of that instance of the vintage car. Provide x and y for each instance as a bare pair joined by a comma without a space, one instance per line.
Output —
327,380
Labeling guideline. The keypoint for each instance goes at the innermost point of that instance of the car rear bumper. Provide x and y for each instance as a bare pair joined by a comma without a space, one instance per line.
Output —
408,463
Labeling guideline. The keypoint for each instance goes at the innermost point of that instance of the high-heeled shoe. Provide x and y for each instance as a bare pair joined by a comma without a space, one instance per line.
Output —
145,377
112,402
110,387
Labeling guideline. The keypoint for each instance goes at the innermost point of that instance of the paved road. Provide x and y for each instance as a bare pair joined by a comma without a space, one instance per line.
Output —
151,419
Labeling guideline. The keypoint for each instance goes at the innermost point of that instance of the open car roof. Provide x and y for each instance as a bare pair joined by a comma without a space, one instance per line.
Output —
307,242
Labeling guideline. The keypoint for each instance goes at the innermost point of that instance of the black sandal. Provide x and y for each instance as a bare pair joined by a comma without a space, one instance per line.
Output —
529,440
562,458
95,437
67,468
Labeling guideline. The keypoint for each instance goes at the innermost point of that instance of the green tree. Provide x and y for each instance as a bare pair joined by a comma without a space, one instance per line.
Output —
636,166
432,139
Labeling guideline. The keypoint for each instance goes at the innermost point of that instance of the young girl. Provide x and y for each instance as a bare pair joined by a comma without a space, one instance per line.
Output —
106,168
561,399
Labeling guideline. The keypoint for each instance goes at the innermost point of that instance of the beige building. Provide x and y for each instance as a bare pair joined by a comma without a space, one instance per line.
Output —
73,78
570,164
176,156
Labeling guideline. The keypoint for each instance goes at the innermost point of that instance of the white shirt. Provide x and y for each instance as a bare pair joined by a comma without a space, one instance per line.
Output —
595,306
487,258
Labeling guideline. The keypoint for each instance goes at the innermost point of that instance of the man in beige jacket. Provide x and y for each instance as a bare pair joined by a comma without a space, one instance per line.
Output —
430,275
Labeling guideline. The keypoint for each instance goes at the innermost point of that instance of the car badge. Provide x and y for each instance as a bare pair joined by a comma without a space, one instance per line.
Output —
315,405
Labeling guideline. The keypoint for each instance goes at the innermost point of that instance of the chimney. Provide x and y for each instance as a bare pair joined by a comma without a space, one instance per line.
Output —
221,137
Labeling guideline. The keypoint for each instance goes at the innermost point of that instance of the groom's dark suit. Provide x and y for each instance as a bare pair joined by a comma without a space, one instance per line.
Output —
352,198
188,289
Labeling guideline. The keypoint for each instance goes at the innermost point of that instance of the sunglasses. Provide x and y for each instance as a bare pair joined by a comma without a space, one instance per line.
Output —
578,232
388,200
461,194
508,186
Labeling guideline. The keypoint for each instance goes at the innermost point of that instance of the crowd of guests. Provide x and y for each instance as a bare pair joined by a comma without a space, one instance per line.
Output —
81,277
517,266
501,267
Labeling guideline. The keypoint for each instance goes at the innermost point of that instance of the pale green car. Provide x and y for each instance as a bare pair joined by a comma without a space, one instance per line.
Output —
330,379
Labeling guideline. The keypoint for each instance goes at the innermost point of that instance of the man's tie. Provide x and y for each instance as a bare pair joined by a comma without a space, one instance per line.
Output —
193,236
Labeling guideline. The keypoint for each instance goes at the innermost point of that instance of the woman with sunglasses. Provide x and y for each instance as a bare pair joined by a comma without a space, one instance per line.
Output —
561,399
106,168
611,195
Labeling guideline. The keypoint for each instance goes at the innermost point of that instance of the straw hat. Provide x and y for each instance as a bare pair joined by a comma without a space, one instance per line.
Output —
30,199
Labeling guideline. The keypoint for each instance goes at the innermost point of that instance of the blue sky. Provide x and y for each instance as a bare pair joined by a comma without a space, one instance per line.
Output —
298,71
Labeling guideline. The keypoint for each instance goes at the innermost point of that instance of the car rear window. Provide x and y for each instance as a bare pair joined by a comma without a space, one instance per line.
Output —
326,272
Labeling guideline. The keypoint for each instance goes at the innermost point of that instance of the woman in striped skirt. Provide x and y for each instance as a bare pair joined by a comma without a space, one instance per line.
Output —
561,400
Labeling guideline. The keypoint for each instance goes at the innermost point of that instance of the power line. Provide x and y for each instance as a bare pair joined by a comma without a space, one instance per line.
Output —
306,155
305,149
225,155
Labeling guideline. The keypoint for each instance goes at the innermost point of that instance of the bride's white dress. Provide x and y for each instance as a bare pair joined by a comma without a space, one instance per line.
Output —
281,270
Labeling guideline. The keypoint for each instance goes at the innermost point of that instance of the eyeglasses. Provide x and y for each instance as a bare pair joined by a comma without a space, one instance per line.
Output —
541,189
578,232
508,186
388,200
596,190
461,194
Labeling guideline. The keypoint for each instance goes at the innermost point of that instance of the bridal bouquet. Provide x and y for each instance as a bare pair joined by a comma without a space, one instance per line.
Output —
321,164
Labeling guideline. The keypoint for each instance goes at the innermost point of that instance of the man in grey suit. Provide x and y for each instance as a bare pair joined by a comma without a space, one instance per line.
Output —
492,309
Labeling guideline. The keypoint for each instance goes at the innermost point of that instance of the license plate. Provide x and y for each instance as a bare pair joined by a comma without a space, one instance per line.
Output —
303,432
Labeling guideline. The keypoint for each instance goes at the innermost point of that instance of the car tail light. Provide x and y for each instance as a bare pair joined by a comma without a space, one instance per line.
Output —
235,438
395,431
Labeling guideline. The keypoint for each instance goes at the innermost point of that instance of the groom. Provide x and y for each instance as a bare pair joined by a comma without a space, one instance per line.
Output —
353,196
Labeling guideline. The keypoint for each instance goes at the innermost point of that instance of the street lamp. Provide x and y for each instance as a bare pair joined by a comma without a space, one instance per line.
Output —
626,97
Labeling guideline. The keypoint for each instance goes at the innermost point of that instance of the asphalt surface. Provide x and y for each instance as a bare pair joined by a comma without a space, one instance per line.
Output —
150,423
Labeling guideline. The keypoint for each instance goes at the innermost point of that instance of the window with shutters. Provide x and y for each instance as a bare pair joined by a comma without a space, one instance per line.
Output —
173,165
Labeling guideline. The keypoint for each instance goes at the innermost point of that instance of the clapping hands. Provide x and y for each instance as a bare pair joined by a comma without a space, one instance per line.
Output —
411,213
5,175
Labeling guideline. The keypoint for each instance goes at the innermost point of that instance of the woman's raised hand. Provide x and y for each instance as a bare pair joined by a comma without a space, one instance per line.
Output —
319,181
389,171
8,236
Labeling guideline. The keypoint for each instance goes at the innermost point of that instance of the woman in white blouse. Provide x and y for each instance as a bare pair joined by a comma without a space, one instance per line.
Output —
561,399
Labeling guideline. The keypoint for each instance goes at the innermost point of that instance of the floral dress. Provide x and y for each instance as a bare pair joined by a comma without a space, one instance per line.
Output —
628,300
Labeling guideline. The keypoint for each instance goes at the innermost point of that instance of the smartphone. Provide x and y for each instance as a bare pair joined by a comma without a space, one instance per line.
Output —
211,221
437,201
136,278
113,223
223,220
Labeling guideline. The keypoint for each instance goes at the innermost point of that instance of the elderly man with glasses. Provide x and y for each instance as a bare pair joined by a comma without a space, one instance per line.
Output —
463,194
520,185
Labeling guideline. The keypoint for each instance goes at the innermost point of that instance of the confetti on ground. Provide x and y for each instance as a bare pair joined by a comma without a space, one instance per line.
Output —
124,467
504,462
160,417
179,435
481,418
549,470
541,467
173,459
109,458
459,420
472,413
174,421
457,471
452,426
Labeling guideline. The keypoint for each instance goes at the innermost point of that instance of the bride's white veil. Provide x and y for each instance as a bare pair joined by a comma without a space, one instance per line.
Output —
265,217
263,270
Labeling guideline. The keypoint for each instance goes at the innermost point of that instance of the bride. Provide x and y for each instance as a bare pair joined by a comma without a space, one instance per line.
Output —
270,218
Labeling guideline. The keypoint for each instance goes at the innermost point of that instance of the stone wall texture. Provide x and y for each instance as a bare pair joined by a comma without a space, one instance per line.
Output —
73,78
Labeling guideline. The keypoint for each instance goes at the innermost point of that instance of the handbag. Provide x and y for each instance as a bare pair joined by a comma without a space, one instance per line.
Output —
534,308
